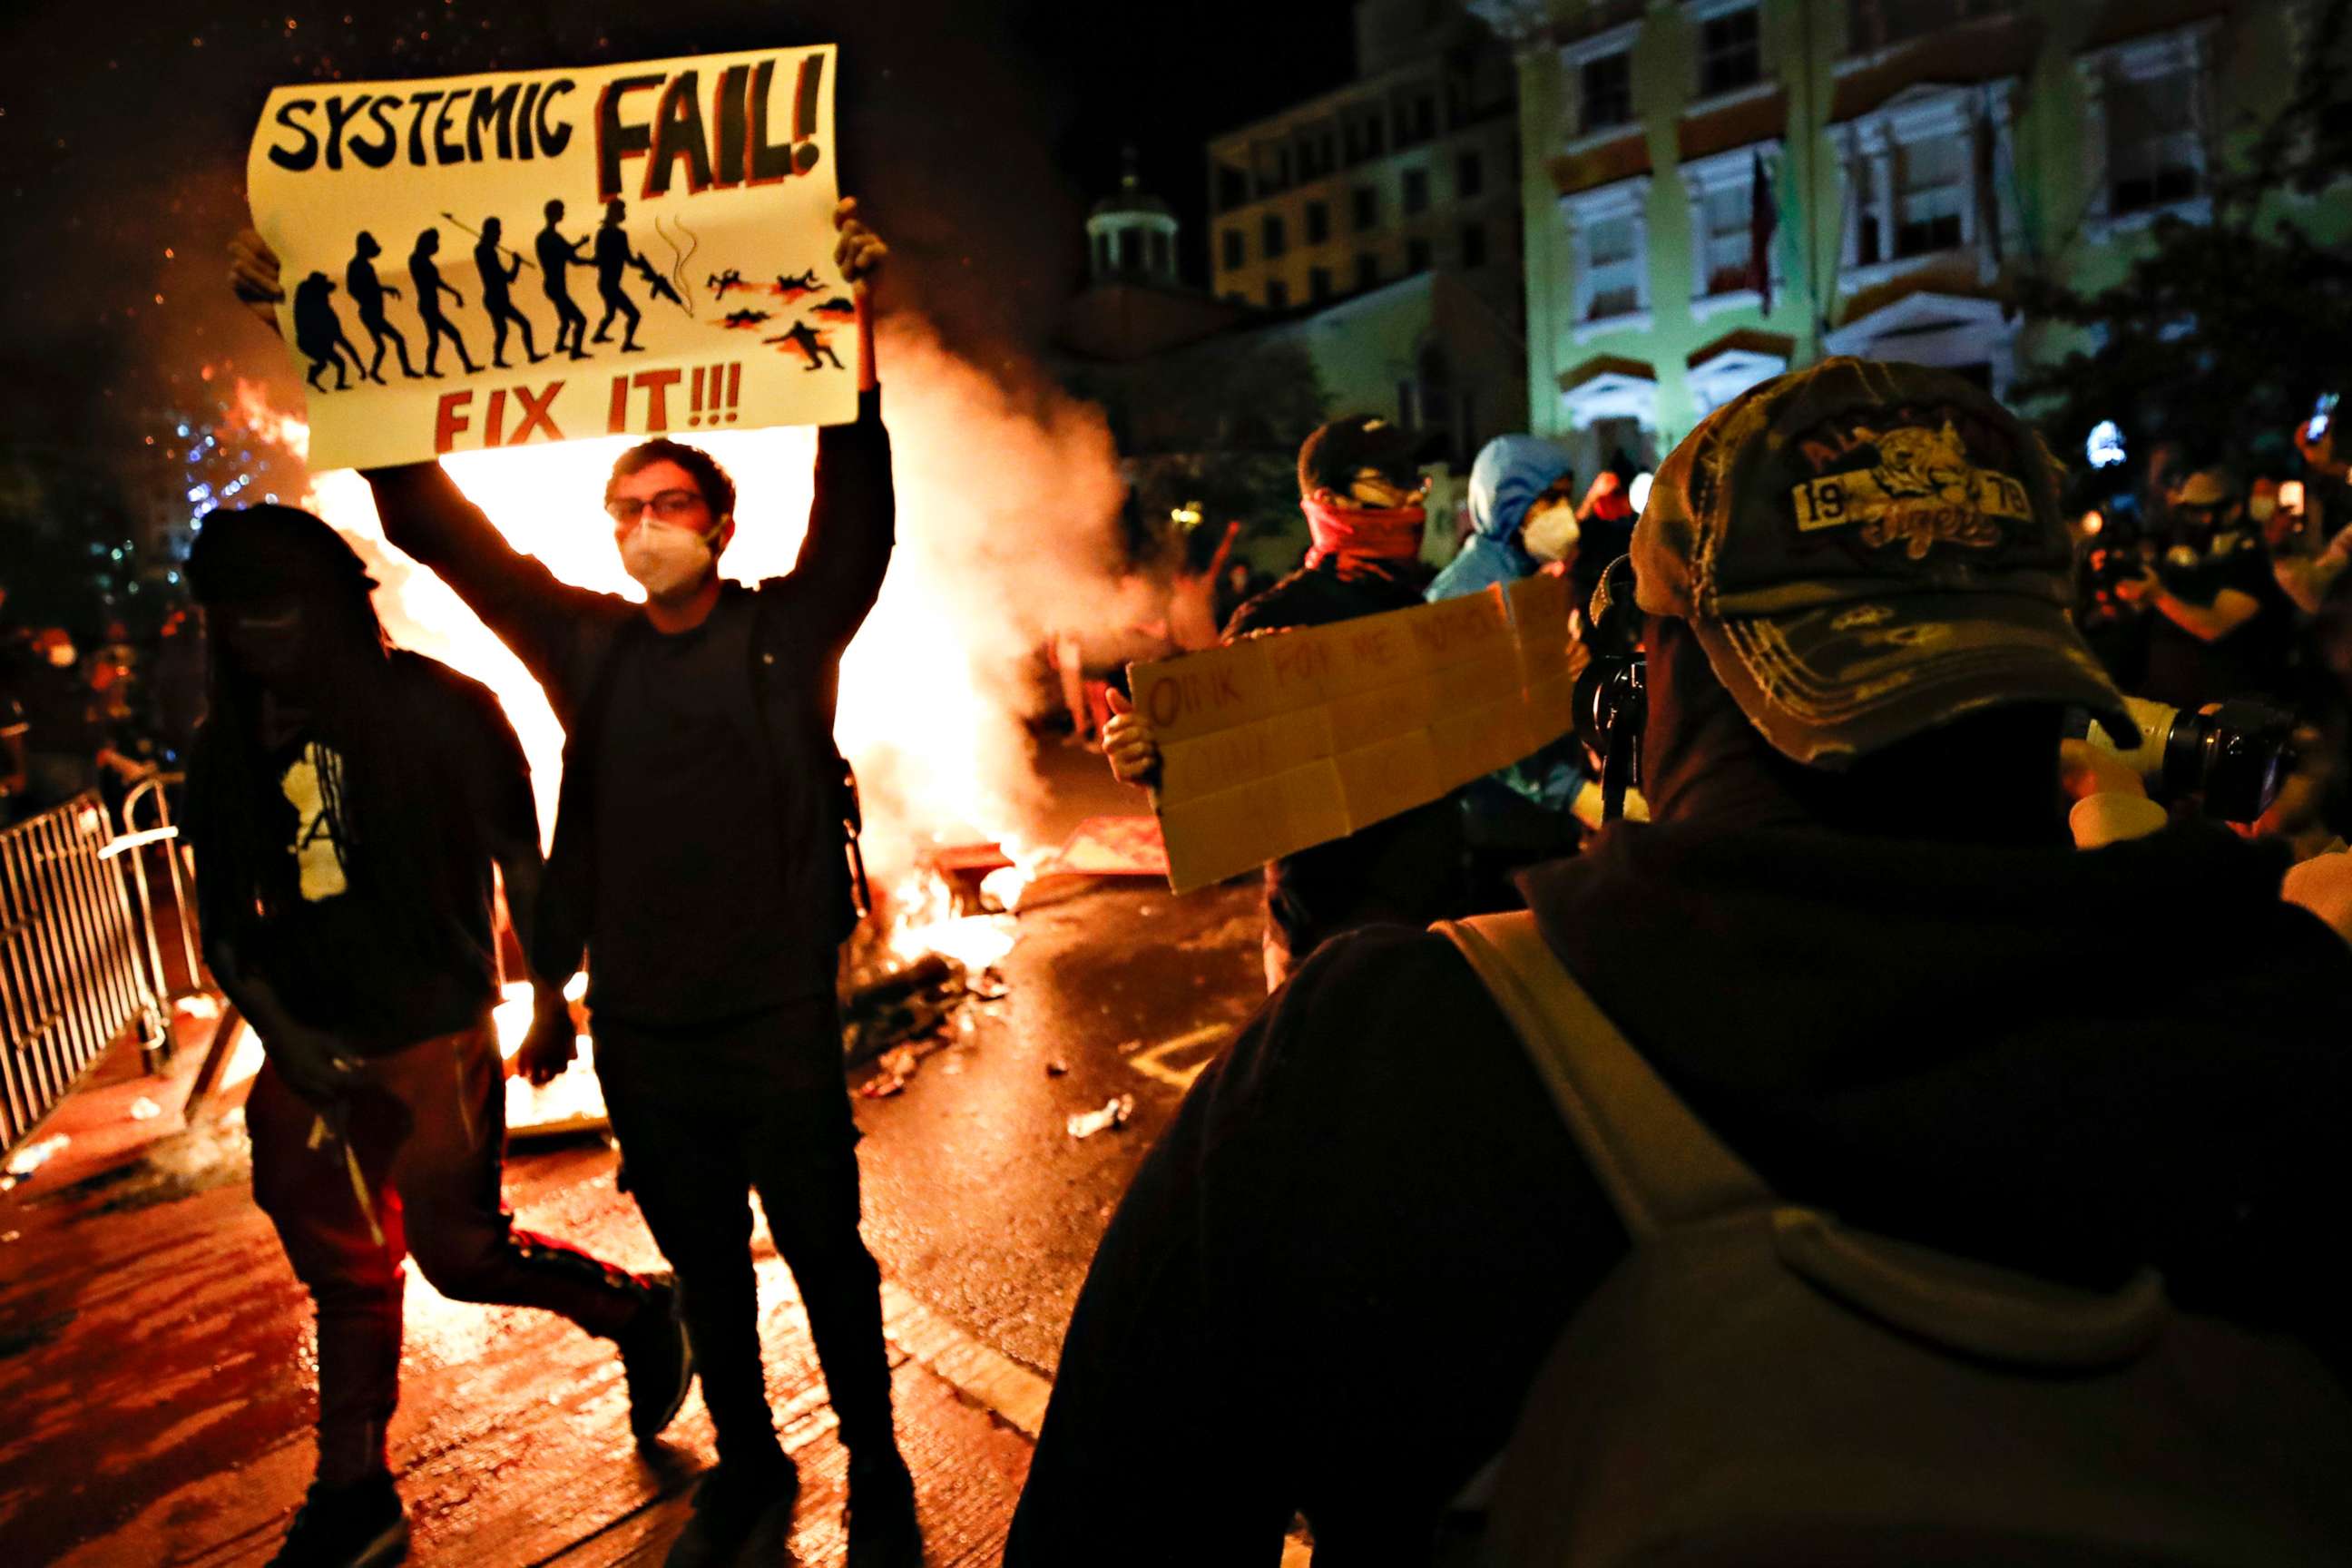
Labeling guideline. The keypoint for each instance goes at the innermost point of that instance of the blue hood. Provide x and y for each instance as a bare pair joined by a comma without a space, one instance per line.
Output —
1510,473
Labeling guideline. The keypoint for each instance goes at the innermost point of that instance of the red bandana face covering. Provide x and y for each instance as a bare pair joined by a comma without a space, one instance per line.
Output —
1391,534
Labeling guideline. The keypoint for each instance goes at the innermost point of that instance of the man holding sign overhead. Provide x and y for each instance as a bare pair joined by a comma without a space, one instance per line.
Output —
698,858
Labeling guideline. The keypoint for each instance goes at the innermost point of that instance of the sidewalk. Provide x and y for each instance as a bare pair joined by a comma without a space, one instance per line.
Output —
153,1363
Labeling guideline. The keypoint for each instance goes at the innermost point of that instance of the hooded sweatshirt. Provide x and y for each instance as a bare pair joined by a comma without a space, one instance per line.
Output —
1510,473
2067,1062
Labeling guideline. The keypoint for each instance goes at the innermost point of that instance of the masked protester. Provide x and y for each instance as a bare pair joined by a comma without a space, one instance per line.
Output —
1853,939
2222,626
349,801
1361,495
698,860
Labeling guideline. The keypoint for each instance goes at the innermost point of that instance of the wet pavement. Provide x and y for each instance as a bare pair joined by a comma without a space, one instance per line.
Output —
155,1353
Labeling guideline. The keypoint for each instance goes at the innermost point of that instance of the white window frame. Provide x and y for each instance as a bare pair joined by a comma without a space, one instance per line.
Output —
1611,394
2189,48
1628,199
1734,170
1867,147
1726,372
1573,59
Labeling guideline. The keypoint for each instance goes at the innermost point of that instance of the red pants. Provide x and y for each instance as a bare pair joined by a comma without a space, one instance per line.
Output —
427,1126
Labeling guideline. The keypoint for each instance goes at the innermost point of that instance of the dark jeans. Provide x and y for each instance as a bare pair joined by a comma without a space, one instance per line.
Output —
428,1128
1327,1291
706,1116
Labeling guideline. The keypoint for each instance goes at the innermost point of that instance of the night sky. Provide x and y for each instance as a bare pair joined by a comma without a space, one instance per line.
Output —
976,134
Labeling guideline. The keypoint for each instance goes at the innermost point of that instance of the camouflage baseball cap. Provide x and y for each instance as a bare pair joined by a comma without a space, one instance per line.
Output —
1866,551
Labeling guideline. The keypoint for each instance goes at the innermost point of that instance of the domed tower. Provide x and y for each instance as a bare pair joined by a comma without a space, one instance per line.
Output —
1131,236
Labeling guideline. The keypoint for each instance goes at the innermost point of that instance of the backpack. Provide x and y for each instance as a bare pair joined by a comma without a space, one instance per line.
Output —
1756,1383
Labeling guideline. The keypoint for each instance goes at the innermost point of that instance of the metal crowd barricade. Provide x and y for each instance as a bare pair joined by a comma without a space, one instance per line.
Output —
79,956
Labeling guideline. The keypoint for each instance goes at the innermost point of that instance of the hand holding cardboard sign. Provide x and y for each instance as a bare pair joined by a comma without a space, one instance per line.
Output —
859,253
253,276
1129,743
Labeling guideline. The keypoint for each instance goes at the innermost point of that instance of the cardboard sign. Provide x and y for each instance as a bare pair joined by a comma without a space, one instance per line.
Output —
1273,745
527,257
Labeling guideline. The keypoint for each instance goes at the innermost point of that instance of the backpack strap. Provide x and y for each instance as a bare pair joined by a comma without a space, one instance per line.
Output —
1660,1165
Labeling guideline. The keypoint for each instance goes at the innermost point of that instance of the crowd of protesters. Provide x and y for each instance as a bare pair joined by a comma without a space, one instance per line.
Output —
1876,1054
77,718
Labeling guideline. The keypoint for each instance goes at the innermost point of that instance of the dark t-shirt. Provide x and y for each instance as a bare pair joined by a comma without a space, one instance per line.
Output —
2188,672
690,924
351,962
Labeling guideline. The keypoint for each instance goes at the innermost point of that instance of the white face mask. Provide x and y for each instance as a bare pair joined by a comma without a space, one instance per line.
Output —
670,563
1551,533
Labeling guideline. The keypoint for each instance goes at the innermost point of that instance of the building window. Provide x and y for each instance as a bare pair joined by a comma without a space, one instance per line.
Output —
1160,266
1417,257
1608,91
1473,244
1931,194
1612,268
1726,242
1469,176
1367,200
1277,294
1416,191
1319,283
1730,52
2155,150
1367,134
1272,241
1272,167
1416,119
1232,188
1319,222
1237,250
1368,271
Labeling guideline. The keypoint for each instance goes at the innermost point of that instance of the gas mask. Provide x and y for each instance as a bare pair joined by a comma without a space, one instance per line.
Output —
1550,534
668,563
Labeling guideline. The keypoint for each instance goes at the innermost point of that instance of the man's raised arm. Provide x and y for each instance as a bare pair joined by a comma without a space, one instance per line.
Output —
852,515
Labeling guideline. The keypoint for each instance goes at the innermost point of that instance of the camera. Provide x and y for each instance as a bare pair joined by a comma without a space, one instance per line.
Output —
2233,757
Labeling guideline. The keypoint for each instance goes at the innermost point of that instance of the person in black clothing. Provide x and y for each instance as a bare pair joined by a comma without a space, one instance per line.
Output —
369,292
1361,495
2223,628
698,860
426,273
498,270
556,254
613,258
1853,939
349,804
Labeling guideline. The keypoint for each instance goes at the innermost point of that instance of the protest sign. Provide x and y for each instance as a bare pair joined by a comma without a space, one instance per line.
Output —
525,256
1272,744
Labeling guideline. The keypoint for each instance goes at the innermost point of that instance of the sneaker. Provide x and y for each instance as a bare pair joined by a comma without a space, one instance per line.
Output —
657,1361
361,1525
735,1505
883,1529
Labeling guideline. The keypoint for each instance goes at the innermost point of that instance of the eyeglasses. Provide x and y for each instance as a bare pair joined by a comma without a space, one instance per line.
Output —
670,505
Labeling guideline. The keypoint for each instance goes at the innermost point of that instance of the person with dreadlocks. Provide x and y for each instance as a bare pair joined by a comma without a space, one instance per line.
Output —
699,862
1361,495
349,801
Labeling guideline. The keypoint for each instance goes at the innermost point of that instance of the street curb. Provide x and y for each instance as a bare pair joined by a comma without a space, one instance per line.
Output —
987,1377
